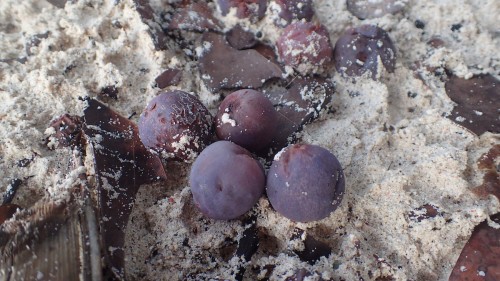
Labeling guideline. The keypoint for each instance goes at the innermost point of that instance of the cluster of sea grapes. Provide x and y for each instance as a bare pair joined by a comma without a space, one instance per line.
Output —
225,179
304,182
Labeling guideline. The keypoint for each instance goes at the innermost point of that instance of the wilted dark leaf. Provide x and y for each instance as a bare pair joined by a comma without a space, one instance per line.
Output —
491,178
478,106
240,39
267,52
122,164
168,77
195,17
479,258
298,102
247,245
148,17
313,248
224,67
249,241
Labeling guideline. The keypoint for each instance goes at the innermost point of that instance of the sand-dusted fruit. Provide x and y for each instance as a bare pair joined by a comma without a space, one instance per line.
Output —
176,124
226,181
293,10
247,118
305,183
304,46
358,49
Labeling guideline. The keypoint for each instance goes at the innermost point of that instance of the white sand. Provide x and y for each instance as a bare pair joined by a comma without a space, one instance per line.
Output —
399,153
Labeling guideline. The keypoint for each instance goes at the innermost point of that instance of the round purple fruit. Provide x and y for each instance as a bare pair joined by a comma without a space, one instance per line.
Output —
176,125
226,181
247,118
305,47
305,183
358,51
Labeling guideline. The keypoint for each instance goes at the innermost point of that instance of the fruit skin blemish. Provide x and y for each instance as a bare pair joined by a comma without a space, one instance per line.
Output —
305,47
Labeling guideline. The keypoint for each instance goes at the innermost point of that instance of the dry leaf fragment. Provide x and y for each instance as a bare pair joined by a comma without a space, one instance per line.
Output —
121,164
